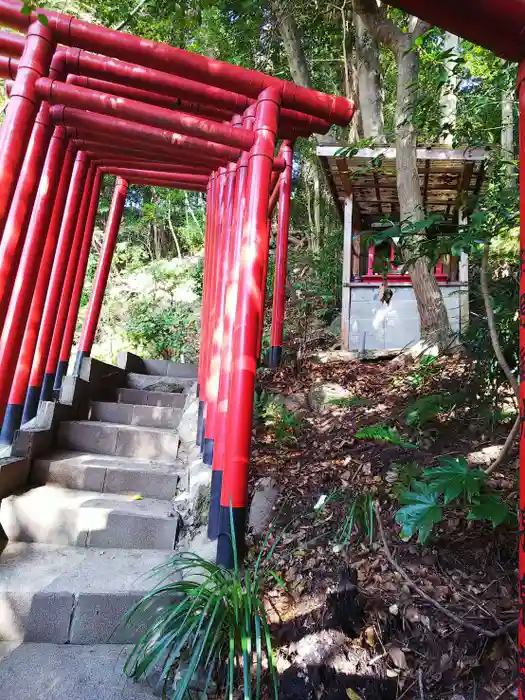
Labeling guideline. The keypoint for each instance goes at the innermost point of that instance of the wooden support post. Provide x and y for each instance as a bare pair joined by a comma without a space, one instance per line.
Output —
464,307
347,272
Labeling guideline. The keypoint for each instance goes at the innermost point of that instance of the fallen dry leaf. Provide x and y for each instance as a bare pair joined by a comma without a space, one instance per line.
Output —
398,657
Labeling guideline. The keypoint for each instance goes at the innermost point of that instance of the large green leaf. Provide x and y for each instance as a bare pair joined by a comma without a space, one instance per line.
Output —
420,513
454,478
489,508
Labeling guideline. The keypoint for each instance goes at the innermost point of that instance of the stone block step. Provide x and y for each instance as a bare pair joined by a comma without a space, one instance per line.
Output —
151,398
120,440
52,514
135,414
103,473
154,382
68,595
68,672
171,369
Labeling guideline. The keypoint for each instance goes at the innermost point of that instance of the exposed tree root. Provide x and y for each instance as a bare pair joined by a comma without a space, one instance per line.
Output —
455,618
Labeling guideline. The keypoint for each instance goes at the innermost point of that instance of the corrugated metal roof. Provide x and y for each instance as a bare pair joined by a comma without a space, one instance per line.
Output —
448,177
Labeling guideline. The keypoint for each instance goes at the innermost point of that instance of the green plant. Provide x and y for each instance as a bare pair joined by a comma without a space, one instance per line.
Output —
425,409
452,482
428,367
347,401
360,516
163,332
215,626
382,433
403,476
271,411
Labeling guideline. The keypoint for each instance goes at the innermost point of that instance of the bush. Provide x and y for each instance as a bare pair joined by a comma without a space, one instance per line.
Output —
451,482
165,333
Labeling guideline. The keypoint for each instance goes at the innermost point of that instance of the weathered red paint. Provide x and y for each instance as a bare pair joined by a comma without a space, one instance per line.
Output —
20,211
58,273
109,42
21,111
26,276
102,274
189,95
59,93
69,280
50,223
254,250
112,126
281,251
187,178
91,203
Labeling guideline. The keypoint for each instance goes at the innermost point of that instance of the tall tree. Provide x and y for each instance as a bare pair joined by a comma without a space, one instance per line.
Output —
448,100
300,72
435,326
369,81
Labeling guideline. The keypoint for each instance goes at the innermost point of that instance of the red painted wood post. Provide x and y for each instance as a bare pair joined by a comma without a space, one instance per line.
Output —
11,341
21,393
200,390
58,273
206,296
281,258
207,443
218,340
254,251
22,203
89,328
21,111
229,317
69,333
521,544
217,315
67,289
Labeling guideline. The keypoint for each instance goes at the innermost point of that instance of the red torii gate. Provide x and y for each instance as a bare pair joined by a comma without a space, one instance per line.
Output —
498,25
154,115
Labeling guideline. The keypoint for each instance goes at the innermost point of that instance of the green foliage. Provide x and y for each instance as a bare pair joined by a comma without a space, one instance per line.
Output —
421,511
360,518
281,423
452,482
404,475
215,626
347,401
455,479
166,333
382,433
428,367
198,277
425,409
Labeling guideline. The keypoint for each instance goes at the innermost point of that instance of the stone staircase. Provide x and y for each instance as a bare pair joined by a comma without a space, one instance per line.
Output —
102,511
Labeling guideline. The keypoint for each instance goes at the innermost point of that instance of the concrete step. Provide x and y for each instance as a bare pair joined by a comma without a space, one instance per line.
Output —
151,398
135,414
154,382
120,440
106,474
68,595
69,672
171,369
52,514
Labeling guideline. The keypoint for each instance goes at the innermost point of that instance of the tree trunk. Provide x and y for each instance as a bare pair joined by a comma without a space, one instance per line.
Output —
448,100
369,82
435,327
507,134
292,44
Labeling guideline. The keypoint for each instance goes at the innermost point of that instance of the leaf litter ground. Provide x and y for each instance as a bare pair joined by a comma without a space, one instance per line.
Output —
347,625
